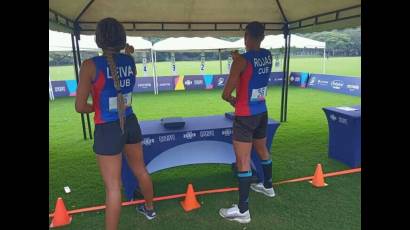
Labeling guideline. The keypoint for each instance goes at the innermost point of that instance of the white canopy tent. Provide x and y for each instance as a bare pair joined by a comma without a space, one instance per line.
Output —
194,44
59,41
278,41
185,44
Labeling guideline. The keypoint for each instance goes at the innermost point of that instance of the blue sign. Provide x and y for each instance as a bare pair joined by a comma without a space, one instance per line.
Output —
276,78
336,84
299,79
194,82
219,80
166,83
60,89
144,84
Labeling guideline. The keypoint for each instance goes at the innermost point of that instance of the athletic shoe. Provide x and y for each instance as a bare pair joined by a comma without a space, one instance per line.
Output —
150,214
233,214
261,189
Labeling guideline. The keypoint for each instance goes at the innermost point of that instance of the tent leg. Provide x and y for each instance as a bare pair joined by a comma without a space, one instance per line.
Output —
287,81
153,74
50,88
324,61
220,62
79,63
76,78
154,60
283,80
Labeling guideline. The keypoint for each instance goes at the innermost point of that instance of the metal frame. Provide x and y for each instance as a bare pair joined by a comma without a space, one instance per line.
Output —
56,20
336,13
76,78
213,26
79,63
286,58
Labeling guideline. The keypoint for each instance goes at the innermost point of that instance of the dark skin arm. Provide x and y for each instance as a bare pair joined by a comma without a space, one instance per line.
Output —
87,73
238,66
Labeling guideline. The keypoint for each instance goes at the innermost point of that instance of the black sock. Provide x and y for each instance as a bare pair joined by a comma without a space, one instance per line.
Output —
267,173
244,179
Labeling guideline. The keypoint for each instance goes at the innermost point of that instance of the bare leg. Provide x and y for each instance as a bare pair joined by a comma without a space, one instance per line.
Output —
110,167
261,149
135,160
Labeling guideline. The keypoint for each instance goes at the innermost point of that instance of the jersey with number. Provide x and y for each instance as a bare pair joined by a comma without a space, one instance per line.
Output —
103,91
252,89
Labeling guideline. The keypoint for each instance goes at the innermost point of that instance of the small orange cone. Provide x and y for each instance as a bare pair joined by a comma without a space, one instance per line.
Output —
190,201
61,216
318,179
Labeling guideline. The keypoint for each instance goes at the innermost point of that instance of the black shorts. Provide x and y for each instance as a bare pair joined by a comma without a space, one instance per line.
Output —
247,128
109,140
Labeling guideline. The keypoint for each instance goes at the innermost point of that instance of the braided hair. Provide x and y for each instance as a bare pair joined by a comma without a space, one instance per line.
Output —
111,38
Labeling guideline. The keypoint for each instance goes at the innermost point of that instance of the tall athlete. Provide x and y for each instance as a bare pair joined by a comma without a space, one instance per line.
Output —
249,76
110,79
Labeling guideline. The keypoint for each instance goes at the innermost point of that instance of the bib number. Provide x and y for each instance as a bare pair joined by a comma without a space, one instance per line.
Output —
113,102
259,94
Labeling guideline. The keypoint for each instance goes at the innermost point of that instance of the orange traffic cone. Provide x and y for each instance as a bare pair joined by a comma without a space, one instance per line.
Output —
61,216
318,179
190,201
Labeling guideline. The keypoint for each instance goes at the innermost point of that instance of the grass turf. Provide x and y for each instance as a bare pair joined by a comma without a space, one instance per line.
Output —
298,146
345,66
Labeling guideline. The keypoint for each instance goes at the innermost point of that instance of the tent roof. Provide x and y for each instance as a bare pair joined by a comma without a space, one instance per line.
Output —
278,41
192,44
214,18
59,41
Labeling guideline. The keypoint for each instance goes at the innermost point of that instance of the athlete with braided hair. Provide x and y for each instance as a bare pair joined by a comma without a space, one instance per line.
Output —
110,79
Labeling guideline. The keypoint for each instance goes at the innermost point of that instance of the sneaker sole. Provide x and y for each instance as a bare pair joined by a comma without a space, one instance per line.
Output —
263,192
148,217
242,221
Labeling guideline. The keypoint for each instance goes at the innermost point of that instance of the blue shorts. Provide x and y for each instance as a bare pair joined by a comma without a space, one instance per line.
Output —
109,140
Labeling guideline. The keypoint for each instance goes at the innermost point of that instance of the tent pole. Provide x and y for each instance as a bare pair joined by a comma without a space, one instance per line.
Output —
287,81
324,61
154,60
153,73
220,62
50,88
76,78
77,37
285,34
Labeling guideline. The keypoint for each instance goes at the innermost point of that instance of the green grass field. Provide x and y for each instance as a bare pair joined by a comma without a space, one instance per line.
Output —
298,146
345,66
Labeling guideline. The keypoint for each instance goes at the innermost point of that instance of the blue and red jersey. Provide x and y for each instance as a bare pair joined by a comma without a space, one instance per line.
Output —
252,89
103,91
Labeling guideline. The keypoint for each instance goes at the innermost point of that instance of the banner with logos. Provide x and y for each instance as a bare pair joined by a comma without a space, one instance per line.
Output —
299,79
336,84
64,88
165,83
276,78
144,84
